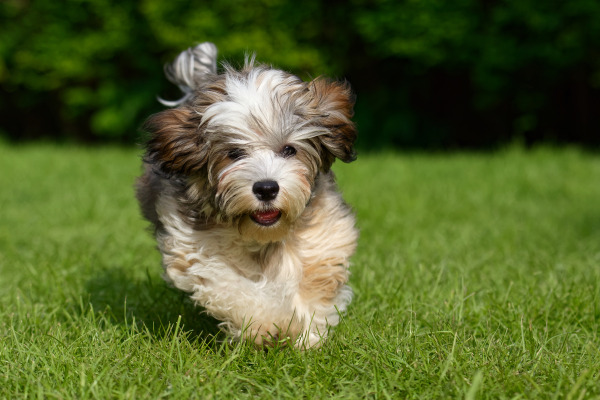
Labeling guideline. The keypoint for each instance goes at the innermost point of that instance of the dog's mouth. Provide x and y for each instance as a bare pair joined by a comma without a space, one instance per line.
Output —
266,218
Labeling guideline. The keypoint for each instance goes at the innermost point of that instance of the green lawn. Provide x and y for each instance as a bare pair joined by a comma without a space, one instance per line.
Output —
476,276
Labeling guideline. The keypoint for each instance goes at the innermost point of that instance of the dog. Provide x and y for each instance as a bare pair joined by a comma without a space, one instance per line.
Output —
238,186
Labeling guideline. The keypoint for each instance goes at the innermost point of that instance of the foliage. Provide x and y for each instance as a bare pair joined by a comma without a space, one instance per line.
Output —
476,276
428,73
514,68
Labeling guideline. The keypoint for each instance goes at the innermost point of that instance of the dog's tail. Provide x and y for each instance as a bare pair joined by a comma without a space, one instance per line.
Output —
189,70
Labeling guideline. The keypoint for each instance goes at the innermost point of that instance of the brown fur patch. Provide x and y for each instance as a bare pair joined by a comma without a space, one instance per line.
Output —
334,103
180,264
176,145
177,261
323,281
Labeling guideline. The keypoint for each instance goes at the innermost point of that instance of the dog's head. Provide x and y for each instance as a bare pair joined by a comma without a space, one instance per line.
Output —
250,143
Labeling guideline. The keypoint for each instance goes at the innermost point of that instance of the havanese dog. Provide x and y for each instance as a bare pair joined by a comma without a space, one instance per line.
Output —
238,185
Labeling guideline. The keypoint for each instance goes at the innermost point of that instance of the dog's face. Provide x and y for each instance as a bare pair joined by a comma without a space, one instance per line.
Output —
250,145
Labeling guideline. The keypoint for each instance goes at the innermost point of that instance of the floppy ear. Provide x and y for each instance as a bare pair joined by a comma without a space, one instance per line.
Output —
333,103
177,143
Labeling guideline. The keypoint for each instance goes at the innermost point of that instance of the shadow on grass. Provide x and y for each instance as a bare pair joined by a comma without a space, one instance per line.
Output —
149,303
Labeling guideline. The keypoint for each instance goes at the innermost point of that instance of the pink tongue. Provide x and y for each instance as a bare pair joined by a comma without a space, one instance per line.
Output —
265,217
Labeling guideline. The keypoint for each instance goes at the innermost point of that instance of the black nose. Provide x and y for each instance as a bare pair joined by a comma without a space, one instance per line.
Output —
265,190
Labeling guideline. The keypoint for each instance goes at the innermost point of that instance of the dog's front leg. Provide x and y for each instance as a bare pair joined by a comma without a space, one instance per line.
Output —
260,311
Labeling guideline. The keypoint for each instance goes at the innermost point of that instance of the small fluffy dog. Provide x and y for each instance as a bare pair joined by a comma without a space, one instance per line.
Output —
238,186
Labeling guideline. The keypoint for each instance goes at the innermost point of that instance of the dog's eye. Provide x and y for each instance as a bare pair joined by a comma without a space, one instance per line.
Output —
236,154
288,151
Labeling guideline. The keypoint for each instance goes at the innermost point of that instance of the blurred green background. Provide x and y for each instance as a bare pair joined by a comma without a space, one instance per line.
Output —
431,74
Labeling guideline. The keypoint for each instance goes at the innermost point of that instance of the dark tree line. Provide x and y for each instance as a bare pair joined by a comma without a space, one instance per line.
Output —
428,73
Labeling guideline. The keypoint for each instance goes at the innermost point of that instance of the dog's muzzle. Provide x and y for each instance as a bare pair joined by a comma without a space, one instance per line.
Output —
266,218
265,190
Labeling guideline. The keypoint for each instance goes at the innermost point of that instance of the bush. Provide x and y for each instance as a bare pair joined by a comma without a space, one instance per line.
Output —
476,73
428,73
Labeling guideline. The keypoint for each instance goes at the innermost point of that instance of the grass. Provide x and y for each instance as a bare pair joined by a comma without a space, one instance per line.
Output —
476,276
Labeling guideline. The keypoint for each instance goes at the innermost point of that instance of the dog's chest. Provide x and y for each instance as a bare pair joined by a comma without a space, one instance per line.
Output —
273,261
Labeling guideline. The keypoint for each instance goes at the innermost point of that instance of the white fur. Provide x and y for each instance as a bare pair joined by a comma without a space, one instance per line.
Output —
188,67
265,282
226,279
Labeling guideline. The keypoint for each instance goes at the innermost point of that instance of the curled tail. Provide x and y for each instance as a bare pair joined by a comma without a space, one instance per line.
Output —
190,69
